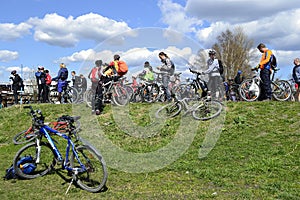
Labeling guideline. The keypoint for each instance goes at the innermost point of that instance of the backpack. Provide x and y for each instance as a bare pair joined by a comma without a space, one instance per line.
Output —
221,68
64,74
273,62
122,68
95,74
26,165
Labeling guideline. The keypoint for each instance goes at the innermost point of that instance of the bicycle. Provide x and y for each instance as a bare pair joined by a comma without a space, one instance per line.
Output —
69,94
83,163
62,124
249,89
112,90
202,109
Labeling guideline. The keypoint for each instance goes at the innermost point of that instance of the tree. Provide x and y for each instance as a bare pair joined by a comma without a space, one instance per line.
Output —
235,50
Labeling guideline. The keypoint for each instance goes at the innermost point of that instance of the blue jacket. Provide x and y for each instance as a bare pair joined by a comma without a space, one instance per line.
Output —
61,75
296,73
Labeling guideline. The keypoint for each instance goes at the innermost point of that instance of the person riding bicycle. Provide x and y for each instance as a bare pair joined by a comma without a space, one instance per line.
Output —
147,73
215,78
265,72
168,68
61,79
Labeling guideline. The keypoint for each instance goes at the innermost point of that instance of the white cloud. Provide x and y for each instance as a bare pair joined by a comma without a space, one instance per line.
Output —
175,17
6,56
18,69
66,32
237,11
10,31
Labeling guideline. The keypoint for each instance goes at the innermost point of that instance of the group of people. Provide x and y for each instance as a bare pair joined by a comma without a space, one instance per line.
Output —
102,73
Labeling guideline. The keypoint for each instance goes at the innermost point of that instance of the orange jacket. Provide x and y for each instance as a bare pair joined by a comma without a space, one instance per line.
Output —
265,60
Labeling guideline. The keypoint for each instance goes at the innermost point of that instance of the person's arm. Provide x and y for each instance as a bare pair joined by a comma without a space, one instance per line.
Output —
58,76
210,69
167,65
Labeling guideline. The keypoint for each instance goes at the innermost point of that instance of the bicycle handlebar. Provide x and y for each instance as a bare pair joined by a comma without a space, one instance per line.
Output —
36,120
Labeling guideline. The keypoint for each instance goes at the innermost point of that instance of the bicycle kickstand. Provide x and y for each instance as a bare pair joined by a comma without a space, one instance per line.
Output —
69,185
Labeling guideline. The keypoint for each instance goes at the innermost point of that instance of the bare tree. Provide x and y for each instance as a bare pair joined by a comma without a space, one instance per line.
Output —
235,50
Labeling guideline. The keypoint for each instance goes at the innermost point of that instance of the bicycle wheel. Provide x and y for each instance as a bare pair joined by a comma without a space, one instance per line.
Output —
88,97
120,96
150,93
281,90
249,90
169,110
43,164
94,178
207,110
25,136
70,95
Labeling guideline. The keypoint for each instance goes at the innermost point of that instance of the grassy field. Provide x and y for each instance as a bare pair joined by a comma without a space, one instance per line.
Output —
255,157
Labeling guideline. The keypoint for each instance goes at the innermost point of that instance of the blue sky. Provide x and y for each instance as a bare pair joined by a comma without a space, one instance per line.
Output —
47,32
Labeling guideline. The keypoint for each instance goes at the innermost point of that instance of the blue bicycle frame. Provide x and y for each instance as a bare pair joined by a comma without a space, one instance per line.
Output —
45,132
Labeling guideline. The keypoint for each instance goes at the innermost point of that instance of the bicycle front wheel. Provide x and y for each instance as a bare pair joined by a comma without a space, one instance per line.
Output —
207,110
249,90
39,165
169,110
281,90
25,136
94,178
120,96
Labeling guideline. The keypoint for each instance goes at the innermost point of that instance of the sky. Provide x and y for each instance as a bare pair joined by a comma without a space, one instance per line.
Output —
47,32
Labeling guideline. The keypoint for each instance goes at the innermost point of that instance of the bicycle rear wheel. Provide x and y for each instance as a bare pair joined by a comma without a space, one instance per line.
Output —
207,110
25,136
120,96
42,166
281,90
249,90
94,178
169,110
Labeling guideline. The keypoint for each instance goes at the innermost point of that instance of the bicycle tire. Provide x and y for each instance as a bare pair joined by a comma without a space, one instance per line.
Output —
95,176
207,110
88,97
245,92
24,137
45,164
168,111
151,95
120,96
282,91
70,94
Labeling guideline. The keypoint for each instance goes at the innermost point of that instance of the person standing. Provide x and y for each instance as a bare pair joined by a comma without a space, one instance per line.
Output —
61,79
17,84
215,79
168,68
296,77
95,75
76,80
83,85
39,84
48,84
265,72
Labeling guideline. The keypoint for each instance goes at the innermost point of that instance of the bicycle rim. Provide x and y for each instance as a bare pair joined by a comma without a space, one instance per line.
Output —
120,96
25,137
45,164
169,110
246,93
95,176
281,90
208,110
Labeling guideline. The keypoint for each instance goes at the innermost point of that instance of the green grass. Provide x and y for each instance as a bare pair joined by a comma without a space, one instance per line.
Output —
256,156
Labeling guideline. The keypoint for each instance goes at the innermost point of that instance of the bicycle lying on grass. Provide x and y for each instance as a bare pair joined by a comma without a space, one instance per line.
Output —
83,163
63,124
201,109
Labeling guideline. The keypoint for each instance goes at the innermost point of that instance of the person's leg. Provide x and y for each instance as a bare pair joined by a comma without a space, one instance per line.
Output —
99,99
266,83
15,94
165,82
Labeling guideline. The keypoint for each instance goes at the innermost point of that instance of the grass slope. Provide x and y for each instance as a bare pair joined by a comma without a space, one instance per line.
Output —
256,156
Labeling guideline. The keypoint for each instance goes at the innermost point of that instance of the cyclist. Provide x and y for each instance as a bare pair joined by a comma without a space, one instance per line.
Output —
61,79
95,75
265,72
168,68
48,84
215,78
147,73
17,84
296,76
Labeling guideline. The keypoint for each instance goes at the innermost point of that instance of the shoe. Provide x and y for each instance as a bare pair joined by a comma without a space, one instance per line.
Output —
98,112
93,112
57,102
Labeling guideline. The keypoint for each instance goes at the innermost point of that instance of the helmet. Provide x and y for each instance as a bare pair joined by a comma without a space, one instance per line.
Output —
13,72
41,67
239,71
98,62
212,52
116,57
